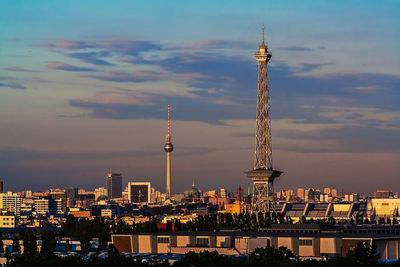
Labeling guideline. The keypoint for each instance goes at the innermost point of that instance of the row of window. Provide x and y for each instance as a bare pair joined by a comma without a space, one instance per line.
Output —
163,240
305,242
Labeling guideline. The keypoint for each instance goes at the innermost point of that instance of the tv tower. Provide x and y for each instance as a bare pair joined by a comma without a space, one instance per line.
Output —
168,147
263,174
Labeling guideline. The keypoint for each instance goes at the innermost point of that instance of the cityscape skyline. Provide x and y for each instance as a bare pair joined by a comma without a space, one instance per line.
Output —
74,103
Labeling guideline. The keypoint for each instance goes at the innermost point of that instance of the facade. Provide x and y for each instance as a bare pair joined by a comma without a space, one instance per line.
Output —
139,192
100,193
307,241
10,202
237,207
7,221
114,185
59,194
48,206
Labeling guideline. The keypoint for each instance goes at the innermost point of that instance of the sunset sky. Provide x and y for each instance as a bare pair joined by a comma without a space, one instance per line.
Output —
84,87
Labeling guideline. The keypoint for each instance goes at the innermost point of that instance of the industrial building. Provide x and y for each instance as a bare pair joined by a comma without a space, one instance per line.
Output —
305,240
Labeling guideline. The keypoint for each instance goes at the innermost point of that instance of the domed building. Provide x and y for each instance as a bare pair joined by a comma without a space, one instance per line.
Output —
192,194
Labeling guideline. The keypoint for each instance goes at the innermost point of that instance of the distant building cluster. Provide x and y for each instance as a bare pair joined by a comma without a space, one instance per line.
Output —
113,202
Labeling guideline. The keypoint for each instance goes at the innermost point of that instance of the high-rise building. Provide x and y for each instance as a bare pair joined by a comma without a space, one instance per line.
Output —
168,147
263,174
11,202
100,192
139,192
334,193
71,192
114,185
1,186
383,194
327,190
48,206
222,192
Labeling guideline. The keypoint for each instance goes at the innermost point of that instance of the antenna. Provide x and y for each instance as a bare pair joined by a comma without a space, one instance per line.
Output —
263,34
169,124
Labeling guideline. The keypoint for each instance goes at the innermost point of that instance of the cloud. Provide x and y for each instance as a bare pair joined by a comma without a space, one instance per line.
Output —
91,57
137,76
216,44
11,82
13,85
19,69
295,48
66,67
68,44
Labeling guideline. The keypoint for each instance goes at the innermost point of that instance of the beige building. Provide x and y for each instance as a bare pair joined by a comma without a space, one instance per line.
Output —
7,221
10,202
306,241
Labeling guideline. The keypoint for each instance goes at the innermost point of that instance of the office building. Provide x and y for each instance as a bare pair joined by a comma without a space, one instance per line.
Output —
114,185
139,192
10,202
48,206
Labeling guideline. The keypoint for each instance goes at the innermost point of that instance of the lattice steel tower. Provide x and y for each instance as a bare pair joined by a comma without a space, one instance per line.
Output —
263,174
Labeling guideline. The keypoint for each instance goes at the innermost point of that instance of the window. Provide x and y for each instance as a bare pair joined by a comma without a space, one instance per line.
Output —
305,242
202,241
163,240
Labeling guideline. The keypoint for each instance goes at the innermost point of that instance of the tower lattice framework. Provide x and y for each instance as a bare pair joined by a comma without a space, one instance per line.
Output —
263,175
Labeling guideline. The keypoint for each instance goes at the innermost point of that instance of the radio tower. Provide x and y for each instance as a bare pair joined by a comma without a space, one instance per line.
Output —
263,174
168,147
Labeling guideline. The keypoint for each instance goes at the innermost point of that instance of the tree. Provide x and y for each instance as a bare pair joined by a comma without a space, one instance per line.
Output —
49,242
68,246
30,244
8,255
363,255
1,243
16,246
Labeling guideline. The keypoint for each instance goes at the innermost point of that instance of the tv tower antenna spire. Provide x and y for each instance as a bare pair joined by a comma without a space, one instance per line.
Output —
263,175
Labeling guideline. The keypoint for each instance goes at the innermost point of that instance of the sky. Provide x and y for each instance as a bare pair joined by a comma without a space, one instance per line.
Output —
84,88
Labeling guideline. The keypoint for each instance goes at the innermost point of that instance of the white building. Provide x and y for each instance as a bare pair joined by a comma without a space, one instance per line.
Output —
100,192
10,202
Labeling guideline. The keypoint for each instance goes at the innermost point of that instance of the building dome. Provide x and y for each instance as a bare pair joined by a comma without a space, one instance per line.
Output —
193,192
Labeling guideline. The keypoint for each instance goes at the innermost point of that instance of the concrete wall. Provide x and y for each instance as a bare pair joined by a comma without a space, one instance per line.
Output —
291,243
223,241
147,244
330,246
260,242
182,241
310,251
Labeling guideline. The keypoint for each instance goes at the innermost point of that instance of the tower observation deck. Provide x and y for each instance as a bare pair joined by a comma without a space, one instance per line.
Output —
263,174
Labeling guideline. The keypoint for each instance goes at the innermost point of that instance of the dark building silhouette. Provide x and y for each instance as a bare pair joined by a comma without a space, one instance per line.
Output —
114,185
